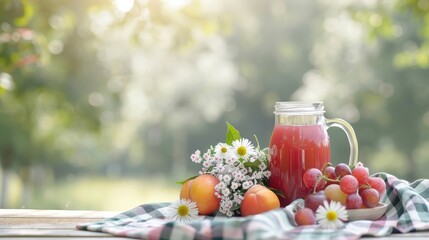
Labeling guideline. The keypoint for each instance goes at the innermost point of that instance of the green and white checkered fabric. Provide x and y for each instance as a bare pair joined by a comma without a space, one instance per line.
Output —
408,210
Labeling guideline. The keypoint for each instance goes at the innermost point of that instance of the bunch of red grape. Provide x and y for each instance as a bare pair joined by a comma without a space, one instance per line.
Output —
353,188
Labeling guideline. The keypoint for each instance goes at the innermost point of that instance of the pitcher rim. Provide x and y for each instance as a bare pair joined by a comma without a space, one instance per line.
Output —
299,107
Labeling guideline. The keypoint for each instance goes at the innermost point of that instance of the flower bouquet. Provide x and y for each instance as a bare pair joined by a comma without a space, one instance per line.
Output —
231,169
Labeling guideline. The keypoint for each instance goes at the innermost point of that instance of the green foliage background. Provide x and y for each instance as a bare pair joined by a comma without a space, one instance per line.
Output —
102,89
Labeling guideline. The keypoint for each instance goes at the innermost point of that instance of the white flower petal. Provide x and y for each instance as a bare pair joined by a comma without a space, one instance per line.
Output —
243,144
323,210
173,211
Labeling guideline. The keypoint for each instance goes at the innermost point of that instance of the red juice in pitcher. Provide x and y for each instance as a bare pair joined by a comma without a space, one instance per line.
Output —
299,142
293,150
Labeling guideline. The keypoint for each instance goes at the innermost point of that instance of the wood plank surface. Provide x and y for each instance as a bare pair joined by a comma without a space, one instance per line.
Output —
55,224
18,218
26,224
35,213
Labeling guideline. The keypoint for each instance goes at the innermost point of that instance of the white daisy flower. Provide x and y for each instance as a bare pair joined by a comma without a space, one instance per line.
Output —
223,150
183,210
331,215
243,148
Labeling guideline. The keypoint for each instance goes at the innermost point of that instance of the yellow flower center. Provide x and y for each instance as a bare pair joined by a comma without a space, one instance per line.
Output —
183,210
241,151
224,150
331,215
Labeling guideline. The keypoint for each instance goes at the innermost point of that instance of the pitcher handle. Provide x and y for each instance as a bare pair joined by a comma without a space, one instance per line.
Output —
351,136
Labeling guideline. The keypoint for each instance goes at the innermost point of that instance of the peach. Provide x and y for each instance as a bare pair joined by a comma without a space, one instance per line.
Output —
258,199
201,190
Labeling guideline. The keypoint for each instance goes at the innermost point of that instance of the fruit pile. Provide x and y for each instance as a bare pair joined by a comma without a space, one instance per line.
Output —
353,187
202,190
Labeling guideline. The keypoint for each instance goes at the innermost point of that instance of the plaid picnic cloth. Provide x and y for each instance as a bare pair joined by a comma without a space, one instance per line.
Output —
408,210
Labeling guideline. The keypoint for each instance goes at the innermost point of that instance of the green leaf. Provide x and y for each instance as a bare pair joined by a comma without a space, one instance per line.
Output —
183,182
231,134
253,165
235,207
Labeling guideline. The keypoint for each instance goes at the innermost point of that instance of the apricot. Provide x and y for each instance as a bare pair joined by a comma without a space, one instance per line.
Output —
258,199
201,190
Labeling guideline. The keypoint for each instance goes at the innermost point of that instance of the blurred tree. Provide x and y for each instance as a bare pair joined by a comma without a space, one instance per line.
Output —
271,42
400,30
391,20
56,85
360,82
177,75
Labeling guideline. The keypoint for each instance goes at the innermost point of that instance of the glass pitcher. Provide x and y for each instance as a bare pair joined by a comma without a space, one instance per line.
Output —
300,141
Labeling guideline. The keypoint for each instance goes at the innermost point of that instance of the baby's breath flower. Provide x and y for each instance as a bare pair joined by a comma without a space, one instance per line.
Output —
217,194
257,175
236,197
234,185
207,164
227,163
221,185
196,157
226,192
231,160
267,174
246,185
240,176
227,179
220,177
262,166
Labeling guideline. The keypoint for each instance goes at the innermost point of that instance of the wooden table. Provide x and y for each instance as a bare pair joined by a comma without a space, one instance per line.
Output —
55,224
25,224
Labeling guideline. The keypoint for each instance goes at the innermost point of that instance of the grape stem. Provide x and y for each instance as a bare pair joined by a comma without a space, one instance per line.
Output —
366,185
324,177
317,183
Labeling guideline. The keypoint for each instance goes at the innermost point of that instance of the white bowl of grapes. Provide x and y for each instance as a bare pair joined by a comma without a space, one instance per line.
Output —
353,187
